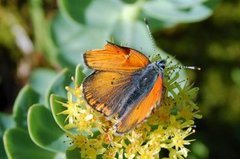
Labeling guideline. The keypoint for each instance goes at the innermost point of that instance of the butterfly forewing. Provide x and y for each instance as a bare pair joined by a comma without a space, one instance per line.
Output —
115,58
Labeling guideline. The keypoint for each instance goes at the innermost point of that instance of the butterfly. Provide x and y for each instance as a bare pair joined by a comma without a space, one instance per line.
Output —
125,83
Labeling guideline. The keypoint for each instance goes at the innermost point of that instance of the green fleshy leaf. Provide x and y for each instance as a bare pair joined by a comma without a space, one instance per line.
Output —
25,99
92,12
40,81
74,9
99,17
79,75
73,154
57,107
45,132
6,122
59,82
3,154
56,100
18,145
177,12
72,40
130,1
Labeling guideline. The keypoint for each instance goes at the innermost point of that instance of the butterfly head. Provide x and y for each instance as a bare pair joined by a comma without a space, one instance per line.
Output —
161,65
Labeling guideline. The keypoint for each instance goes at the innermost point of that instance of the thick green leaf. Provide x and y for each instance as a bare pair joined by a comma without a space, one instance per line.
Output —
130,1
79,75
6,122
59,83
18,145
74,9
73,154
25,99
172,13
72,40
57,99
44,131
40,81
57,107
92,12
3,154
99,17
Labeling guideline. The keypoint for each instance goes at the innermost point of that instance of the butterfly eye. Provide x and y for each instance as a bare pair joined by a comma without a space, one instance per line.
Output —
161,64
163,67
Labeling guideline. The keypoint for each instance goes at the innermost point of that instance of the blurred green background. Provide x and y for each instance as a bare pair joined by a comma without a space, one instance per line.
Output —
212,44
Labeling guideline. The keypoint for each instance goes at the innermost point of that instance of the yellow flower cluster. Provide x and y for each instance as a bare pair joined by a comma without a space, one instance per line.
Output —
166,128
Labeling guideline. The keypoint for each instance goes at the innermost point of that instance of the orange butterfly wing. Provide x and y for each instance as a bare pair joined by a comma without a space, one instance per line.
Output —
104,91
141,110
115,58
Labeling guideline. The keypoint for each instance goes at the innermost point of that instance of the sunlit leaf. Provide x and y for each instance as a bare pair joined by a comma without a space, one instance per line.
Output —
18,145
59,82
45,132
40,81
57,107
25,99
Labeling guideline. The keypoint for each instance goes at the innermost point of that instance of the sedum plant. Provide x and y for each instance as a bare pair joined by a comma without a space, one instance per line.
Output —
50,118
167,128
68,128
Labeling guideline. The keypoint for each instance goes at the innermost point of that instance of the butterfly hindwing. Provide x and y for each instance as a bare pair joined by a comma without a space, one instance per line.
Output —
106,91
140,110
115,58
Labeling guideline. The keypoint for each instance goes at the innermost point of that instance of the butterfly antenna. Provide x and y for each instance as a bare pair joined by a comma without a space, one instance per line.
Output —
191,67
150,34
